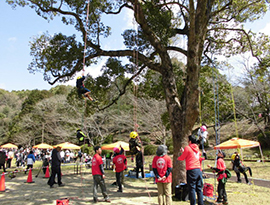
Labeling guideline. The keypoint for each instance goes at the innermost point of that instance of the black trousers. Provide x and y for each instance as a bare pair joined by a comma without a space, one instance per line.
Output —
4,168
54,171
119,176
222,195
139,167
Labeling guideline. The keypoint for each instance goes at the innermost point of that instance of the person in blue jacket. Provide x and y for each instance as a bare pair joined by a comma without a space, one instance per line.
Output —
82,90
30,160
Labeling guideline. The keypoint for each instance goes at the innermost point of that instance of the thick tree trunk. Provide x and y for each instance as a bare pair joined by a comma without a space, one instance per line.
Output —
183,115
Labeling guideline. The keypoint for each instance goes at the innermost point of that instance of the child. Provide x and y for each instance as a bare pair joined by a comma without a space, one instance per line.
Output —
222,177
202,134
120,163
82,89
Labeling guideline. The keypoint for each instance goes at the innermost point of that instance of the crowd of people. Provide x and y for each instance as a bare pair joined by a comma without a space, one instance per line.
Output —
117,161
26,157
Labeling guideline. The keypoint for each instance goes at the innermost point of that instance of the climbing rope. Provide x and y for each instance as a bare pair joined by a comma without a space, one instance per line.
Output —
84,110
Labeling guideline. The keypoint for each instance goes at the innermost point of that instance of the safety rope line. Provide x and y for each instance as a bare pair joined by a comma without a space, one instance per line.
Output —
84,53
216,108
85,37
135,88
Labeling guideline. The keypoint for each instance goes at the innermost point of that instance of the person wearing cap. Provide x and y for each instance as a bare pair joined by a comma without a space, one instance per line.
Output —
98,175
162,168
222,177
191,154
120,163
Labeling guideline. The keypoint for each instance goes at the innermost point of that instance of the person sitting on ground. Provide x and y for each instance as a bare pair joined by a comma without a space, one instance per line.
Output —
222,177
82,90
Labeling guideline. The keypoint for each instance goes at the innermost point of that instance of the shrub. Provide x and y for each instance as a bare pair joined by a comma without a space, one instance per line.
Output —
169,145
150,149
264,141
87,150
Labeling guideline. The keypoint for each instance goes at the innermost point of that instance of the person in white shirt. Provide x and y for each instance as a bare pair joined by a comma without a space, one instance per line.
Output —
203,134
10,156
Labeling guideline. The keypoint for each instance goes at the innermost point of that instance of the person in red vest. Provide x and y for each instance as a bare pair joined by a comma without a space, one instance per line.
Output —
162,168
191,154
120,163
222,177
98,175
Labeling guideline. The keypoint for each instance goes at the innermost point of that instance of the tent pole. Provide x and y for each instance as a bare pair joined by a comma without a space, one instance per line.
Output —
242,154
261,153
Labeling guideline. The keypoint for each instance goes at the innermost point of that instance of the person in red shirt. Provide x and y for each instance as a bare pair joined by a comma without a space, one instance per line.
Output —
98,175
222,176
162,168
191,155
120,163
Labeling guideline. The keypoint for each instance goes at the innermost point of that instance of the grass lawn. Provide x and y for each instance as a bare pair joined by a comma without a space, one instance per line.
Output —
136,191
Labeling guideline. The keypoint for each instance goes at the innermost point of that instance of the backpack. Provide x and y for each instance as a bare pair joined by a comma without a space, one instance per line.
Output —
208,190
229,174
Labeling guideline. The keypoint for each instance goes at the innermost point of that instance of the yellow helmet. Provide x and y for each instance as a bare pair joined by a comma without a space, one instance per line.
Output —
133,134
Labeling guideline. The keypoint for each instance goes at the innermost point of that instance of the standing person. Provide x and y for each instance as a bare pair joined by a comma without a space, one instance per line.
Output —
45,162
82,90
56,168
30,160
10,156
162,168
139,163
98,175
108,160
191,155
222,177
3,157
120,162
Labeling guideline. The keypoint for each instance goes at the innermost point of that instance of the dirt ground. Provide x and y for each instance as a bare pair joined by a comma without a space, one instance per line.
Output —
78,188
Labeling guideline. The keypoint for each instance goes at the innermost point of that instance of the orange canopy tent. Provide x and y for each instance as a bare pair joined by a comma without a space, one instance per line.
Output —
116,144
43,146
68,145
237,143
9,145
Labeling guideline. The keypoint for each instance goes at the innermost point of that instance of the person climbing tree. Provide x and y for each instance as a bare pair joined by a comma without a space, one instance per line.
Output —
82,90
202,134
82,138
134,143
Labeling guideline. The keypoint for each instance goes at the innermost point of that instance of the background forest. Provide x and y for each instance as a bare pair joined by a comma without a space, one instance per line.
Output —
29,117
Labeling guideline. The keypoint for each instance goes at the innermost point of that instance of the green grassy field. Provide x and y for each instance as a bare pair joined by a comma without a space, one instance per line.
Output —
136,191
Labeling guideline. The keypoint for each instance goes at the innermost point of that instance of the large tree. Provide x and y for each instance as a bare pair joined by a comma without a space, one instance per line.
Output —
206,25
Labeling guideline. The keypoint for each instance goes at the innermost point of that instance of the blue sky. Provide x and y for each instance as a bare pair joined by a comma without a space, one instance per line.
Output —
20,24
